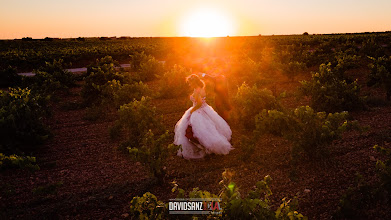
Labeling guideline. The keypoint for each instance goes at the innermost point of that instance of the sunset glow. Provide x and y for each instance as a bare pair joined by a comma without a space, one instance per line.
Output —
152,18
207,23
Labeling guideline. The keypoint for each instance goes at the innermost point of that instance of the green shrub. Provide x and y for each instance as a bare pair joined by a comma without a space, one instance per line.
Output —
346,61
273,122
293,68
153,152
331,92
137,59
150,69
249,101
287,210
148,207
136,119
245,69
371,48
117,94
319,55
106,64
9,77
256,205
43,83
21,125
309,131
363,196
50,79
141,122
57,70
15,161
356,200
249,71
106,87
97,79
173,84
380,74
384,169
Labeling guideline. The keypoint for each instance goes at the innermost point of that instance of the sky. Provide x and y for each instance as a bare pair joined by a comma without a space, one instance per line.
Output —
166,18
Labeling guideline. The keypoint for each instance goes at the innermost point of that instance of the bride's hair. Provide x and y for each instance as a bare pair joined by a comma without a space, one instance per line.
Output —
195,80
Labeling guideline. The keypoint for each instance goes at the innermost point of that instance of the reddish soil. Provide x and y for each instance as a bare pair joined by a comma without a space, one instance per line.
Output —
99,181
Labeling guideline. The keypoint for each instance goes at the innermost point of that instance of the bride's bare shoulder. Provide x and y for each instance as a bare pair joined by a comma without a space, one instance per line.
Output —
201,92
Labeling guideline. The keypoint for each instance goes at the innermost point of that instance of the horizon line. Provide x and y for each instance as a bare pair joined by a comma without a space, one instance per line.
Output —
259,35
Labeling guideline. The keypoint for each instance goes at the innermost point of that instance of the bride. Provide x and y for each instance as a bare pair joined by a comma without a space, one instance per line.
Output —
209,132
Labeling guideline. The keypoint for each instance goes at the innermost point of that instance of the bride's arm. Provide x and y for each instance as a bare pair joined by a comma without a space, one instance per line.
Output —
198,101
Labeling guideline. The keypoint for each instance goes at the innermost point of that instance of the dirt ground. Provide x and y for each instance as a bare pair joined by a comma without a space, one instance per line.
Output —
94,180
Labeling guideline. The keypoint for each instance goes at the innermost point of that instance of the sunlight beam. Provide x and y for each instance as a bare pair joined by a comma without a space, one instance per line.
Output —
206,23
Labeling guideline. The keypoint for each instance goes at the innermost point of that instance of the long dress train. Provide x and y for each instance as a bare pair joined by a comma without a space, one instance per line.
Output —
211,130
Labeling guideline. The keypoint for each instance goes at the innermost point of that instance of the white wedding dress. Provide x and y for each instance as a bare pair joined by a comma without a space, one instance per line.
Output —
211,130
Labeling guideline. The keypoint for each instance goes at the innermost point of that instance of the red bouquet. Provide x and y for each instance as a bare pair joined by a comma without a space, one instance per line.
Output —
189,135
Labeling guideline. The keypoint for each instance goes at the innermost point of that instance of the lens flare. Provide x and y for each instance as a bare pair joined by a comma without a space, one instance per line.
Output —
207,23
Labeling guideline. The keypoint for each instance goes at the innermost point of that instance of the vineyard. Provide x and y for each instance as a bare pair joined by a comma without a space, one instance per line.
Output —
311,123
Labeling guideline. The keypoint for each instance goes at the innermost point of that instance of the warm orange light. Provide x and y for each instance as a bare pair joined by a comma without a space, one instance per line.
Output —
206,23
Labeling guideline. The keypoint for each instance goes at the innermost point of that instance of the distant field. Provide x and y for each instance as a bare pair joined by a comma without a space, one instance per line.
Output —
28,54
307,110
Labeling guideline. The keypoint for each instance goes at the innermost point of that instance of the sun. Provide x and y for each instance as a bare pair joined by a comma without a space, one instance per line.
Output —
206,23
